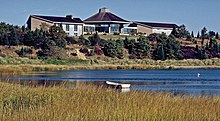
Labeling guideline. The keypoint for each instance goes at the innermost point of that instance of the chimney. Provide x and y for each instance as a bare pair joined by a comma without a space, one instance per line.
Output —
69,16
103,10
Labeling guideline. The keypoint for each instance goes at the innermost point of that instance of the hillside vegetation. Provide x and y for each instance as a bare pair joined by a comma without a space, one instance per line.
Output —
54,43
41,50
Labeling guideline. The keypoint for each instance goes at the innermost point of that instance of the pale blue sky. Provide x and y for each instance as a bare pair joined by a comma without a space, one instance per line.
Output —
195,14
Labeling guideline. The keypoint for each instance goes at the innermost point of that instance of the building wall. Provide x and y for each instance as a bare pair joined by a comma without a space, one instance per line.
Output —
147,30
71,31
167,31
144,30
38,24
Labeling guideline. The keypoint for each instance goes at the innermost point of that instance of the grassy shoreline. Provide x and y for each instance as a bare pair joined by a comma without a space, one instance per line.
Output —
92,103
20,65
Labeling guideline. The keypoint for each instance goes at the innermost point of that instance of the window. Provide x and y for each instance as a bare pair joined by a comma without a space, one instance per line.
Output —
89,29
60,25
75,28
75,34
67,27
115,28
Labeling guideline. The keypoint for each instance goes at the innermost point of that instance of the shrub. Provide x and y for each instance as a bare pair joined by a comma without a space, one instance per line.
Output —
54,52
98,51
23,51
70,40
84,50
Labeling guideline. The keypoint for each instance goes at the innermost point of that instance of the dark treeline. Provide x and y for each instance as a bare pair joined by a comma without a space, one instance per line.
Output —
154,46
201,51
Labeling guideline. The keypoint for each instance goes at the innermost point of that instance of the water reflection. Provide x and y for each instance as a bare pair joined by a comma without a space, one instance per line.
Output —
176,82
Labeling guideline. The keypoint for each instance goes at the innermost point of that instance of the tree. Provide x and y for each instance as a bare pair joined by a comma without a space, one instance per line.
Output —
57,34
29,38
173,47
13,38
142,48
198,35
174,32
182,31
94,39
217,36
167,45
114,49
120,49
192,34
189,38
110,49
84,42
203,33
207,46
201,55
5,40
161,55
211,34
129,44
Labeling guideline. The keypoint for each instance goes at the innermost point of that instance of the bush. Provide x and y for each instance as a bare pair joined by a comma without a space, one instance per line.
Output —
116,33
70,40
54,52
84,42
114,49
84,50
98,51
23,51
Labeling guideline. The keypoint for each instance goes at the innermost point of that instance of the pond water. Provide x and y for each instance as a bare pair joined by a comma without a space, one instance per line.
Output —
193,82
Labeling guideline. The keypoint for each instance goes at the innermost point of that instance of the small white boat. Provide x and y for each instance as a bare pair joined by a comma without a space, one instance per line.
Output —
118,85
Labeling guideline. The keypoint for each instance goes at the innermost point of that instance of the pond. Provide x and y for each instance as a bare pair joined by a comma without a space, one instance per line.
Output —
192,82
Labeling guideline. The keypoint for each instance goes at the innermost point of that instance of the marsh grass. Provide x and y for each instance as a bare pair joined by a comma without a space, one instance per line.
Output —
15,66
92,103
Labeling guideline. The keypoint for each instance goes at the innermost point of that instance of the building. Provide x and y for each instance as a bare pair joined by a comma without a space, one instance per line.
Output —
148,28
103,22
106,22
72,26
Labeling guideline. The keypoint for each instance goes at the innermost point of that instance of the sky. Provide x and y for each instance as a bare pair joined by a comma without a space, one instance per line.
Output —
195,14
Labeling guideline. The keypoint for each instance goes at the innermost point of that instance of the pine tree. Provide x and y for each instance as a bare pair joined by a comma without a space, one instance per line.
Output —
207,46
161,55
216,36
203,33
174,32
192,34
198,35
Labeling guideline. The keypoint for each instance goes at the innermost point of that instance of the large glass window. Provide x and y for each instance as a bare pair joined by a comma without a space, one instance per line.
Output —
89,28
102,28
67,27
115,28
130,31
75,27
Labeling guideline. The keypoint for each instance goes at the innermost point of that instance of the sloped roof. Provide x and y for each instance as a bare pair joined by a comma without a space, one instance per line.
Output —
58,19
105,16
154,25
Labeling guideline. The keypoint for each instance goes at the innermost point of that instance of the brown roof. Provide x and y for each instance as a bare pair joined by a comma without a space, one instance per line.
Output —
104,16
154,25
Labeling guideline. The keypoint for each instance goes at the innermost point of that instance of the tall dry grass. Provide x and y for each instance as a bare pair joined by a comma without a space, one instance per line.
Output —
10,66
91,103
